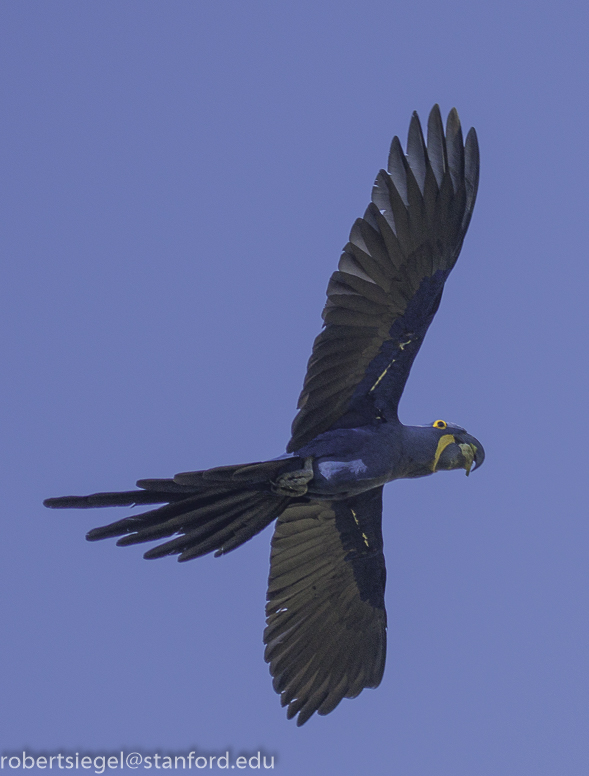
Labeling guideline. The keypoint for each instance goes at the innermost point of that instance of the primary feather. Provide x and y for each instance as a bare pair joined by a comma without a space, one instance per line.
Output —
382,298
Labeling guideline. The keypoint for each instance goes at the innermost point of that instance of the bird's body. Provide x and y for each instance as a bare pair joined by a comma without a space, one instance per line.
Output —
326,622
347,462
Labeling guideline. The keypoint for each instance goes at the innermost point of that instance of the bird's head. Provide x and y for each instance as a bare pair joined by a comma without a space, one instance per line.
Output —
454,448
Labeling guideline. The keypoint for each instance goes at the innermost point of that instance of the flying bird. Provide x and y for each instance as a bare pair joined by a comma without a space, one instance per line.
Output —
326,621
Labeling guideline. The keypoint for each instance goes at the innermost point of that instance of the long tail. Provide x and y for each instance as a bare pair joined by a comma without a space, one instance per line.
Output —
215,510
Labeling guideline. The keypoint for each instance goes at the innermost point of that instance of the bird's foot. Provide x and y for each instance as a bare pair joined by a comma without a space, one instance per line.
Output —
294,484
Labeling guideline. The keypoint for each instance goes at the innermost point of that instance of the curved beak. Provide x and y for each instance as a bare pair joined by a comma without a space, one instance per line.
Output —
458,451
472,450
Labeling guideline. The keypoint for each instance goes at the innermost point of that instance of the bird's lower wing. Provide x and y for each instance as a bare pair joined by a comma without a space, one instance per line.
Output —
388,286
326,620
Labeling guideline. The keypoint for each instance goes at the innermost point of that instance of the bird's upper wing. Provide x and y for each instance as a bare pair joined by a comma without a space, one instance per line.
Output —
326,619
390,279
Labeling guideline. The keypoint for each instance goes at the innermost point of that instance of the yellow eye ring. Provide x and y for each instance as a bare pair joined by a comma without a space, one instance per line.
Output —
440,424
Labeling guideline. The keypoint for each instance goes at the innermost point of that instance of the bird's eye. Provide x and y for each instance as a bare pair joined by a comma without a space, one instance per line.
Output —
440,424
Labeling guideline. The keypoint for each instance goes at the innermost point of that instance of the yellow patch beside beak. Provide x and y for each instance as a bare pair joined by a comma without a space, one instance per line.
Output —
443,443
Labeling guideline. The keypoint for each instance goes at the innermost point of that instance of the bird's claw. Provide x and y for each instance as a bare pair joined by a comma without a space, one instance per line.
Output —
294,484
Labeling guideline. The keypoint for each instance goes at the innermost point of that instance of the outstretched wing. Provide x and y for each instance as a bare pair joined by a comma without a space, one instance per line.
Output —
391,274
326,619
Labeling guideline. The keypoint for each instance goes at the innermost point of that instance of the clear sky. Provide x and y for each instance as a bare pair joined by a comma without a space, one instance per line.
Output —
178,179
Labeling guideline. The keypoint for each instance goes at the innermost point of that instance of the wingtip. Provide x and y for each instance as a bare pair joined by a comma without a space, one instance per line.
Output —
302,718
415,120
435,113
452,123
472,164
65,502
436,144
472,140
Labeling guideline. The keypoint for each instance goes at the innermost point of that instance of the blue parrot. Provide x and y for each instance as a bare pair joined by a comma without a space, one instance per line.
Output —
326,620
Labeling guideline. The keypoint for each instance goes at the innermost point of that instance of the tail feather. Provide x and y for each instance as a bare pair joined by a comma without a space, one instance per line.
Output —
198,522
159,516
226,533
203,511
249,525
126,498
216,510
163,486
250,473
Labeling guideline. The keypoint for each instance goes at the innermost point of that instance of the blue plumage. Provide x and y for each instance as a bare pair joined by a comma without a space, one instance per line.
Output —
326,621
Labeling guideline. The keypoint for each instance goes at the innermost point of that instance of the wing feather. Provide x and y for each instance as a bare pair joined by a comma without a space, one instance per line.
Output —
417,152
389,281
436,144
326,622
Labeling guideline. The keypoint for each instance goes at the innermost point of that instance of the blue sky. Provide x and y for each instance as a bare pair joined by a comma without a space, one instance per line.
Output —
178,181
